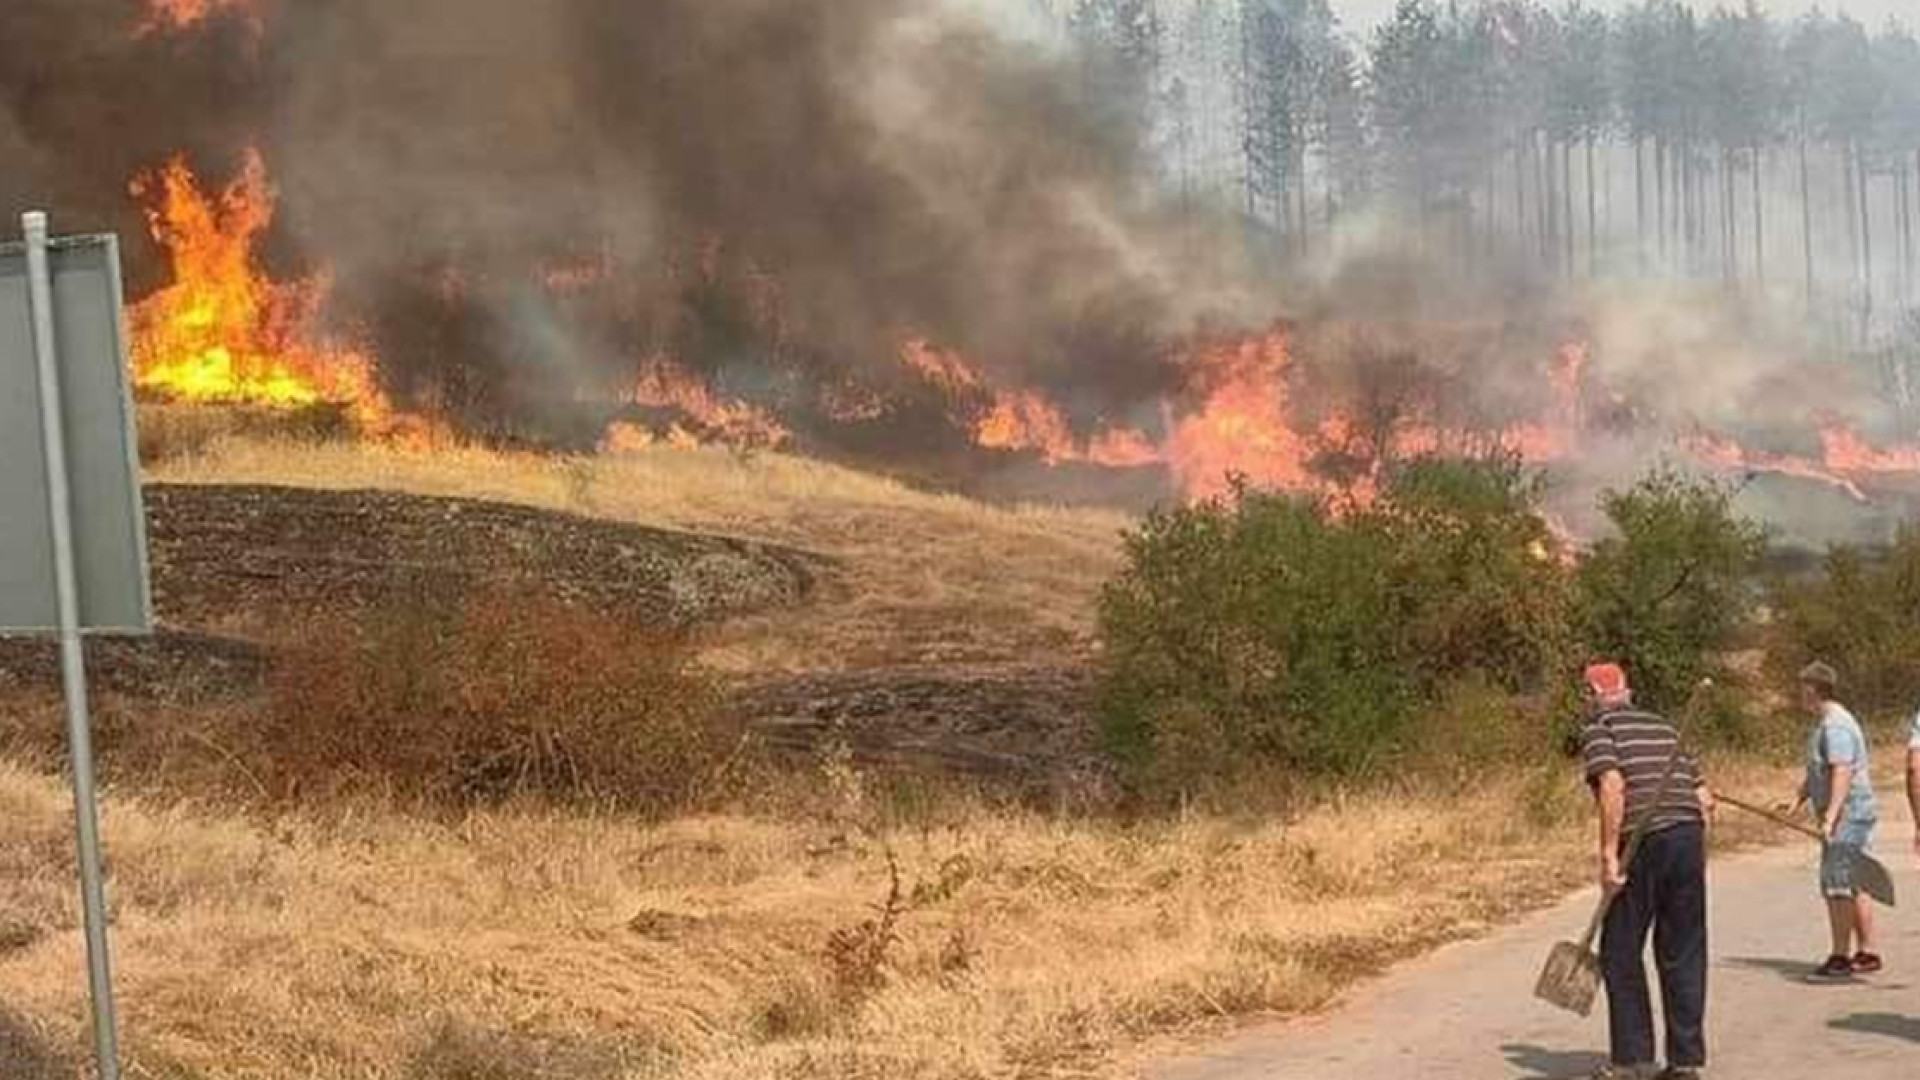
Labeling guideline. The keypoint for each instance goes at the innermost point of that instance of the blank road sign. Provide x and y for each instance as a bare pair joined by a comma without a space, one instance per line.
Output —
108,527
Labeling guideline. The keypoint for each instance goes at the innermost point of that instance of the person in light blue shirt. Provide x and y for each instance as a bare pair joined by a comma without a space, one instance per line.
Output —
1839,786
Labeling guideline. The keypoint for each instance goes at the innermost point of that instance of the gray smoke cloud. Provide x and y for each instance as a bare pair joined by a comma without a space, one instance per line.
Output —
824,178
779,192
811,177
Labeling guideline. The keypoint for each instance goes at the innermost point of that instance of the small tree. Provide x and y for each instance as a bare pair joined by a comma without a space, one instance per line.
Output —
1668,594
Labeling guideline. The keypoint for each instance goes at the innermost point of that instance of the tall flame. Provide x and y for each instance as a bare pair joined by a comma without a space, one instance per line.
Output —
222,332
1241,426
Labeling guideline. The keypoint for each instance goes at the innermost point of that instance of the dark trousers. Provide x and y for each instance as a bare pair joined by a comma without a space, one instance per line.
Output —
1666,893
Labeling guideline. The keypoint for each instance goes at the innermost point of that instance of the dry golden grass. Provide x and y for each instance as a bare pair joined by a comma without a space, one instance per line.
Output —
356,942
926,578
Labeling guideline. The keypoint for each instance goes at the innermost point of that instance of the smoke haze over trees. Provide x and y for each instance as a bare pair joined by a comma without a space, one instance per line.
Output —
1658,138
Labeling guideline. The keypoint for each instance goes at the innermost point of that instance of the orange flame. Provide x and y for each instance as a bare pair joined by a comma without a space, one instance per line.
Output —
222,332
1241,426
662,384
625,438
1845,451
1723,453
173,16
1021,420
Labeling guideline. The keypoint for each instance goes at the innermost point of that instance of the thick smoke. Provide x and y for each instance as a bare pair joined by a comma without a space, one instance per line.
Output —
817,178
84,107
779,193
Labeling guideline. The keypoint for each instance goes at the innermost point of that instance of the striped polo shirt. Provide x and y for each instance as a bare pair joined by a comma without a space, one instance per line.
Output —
1639,745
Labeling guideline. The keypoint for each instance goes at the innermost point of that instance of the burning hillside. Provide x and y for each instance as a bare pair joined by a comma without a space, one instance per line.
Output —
222,332
905,241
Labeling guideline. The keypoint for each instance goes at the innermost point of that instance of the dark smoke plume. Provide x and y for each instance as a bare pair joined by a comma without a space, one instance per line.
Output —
784,190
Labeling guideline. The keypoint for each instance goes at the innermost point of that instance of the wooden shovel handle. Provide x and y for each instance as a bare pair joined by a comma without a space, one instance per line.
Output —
1778,819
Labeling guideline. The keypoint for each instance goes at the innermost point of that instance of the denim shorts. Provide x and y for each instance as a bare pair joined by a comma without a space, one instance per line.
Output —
1838,858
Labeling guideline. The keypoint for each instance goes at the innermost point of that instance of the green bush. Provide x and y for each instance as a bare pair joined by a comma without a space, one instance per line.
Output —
1260,630
1434,629
1670,592
1861,615
1246,629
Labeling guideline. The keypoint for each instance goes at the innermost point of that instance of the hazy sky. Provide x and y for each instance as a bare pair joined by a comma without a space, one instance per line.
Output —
1363,15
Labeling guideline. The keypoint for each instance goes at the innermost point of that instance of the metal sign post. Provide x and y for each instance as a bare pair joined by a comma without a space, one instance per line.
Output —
88,308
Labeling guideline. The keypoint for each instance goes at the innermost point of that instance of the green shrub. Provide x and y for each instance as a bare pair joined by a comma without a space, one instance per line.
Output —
1670,592
1861,615
1434,628
1259,630
1474,564
1247,629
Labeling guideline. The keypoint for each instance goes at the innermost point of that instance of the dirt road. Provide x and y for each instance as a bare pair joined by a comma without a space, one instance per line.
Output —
1466,1013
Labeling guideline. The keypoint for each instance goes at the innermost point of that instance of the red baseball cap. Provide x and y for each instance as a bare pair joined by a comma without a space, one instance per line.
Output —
1607,680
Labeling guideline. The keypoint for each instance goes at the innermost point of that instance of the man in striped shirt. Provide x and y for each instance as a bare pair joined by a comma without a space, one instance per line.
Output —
1644,782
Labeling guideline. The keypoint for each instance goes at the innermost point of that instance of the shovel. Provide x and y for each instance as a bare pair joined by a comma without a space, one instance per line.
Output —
1571,978
1868,872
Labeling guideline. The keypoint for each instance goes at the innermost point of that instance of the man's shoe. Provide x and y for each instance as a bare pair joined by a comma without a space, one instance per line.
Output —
1624,1072
1836,969
1678,1073
1866,963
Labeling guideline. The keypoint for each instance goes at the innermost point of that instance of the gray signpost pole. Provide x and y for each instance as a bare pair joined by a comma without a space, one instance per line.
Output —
73,669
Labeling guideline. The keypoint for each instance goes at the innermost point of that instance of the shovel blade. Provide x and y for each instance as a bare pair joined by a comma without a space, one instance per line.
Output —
1871,877
1570,980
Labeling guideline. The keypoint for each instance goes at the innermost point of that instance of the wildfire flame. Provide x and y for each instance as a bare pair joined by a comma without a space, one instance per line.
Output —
1721,452
222,332
1845,459
664,385
1845,451
1233,420
173,16
1022,420
1241,428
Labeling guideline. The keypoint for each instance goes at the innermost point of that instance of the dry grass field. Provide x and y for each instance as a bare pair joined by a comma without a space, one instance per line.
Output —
826,932
352,942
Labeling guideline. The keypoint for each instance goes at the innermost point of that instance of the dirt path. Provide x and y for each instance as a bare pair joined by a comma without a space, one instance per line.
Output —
1466,1013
